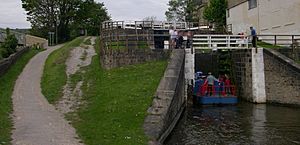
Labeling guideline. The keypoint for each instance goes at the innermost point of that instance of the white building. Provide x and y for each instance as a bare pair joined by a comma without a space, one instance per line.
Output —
266,16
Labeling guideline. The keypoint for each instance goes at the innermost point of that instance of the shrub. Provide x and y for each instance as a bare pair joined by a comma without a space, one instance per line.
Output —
9,45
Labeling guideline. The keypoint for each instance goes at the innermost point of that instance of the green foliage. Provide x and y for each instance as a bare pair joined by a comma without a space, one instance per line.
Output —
267,45
89,16
121,45
192,8
65,17
42,14
54,76
215,12
9,45
7,82
176,10
183,10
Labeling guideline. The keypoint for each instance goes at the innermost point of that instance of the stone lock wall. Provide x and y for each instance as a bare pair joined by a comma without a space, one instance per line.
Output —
290,53
243,73
168,103
282,78
118,58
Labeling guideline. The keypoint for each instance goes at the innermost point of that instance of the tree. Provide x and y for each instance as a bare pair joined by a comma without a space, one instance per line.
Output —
183,10
216,13
192,10
89,16
42,14
67,11
63,16
176,10
9,45
150,18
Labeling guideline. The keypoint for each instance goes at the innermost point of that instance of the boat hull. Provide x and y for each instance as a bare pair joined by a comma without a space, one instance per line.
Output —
210,100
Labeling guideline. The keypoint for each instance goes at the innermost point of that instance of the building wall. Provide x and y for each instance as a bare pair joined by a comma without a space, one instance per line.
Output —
269,17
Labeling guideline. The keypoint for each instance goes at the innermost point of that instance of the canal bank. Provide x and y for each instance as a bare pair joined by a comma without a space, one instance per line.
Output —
246,123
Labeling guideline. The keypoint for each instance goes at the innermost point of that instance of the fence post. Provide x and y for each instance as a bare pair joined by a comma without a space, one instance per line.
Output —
293,39
275,39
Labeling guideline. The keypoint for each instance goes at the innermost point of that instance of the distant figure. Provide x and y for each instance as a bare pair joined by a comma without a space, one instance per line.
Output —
222,85
254,36
173,37
189,39
242,41
227,85
210,80
179,40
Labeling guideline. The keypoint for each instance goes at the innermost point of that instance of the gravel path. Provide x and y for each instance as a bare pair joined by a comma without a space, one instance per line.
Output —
36,122
79,57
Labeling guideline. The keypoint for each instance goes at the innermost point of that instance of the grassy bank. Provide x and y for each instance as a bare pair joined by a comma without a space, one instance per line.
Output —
267,45
115,101
7,82
54,76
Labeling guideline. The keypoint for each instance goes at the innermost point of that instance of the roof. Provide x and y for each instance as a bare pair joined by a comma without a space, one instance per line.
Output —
233,3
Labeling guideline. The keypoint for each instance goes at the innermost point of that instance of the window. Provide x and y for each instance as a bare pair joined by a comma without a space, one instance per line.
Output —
252,4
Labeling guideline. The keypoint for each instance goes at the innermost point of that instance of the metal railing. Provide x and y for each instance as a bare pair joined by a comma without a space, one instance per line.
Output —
283,40
154,25
220,42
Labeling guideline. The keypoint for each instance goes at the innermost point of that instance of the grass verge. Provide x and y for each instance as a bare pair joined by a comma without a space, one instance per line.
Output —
121,45
7,82
54,76
267,45
116,102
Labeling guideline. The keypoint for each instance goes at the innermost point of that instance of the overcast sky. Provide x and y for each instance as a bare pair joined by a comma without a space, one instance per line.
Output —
13,15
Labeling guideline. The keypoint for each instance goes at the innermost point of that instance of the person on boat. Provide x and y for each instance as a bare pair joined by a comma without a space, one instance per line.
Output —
222,85
227,84
210,81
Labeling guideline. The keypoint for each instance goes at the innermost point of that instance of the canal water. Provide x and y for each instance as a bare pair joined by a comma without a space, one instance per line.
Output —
244,124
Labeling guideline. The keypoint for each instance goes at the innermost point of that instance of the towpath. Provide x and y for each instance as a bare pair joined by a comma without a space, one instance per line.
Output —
36,122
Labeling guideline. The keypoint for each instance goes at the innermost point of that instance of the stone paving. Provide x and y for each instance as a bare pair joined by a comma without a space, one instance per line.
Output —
36,122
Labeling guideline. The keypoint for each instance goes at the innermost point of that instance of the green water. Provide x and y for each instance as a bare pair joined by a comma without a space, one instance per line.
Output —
244,124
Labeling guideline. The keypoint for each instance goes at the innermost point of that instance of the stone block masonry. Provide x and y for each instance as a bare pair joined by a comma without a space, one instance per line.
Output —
243,73
282,78
7,62
118,58
168,103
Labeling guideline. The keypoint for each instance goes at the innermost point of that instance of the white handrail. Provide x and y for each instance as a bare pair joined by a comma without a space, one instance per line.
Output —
220,42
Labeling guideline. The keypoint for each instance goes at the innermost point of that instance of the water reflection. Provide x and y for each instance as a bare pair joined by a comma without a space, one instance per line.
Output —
258,130
245,124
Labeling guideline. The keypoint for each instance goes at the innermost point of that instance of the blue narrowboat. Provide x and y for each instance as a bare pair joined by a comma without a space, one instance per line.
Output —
219,93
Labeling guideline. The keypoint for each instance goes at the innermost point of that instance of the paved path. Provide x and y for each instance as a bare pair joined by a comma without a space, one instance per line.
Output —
36,122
